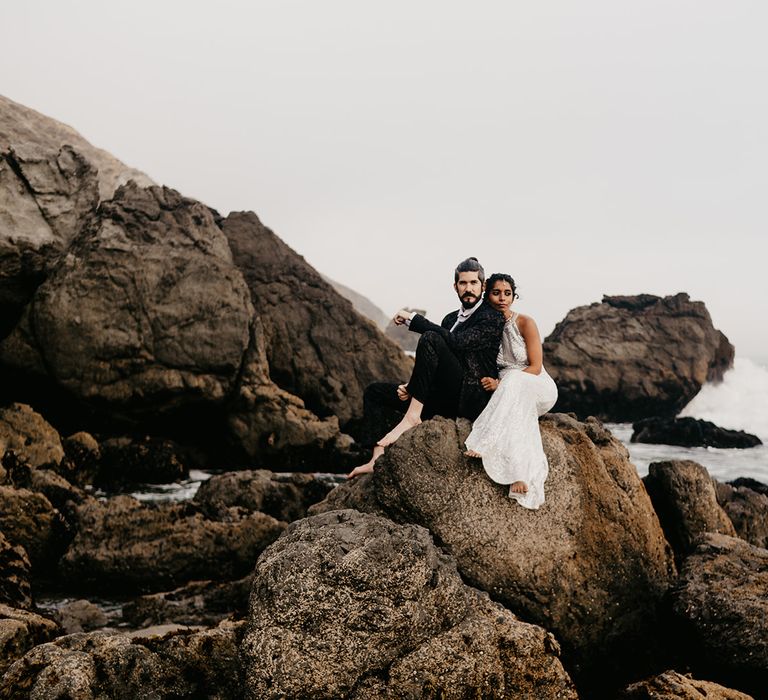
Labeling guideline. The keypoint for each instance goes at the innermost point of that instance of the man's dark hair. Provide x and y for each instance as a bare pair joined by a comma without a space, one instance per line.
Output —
469,265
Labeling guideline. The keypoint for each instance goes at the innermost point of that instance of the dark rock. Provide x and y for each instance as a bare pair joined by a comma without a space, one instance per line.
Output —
591,565
722,602
186,664
20,630
683,495
197,603
672,685
632,357
15,589
401,335
80,616
29,435
283,496
747,509
126,461
753,484
690,432
311,331
352,605
124,545
27,518
82,457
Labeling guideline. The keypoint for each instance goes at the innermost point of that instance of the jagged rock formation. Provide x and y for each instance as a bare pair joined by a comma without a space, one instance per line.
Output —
29,435
591,565
631,357
21,630
690,432
672,685
747,509
683,495
15,588
351,605
318,347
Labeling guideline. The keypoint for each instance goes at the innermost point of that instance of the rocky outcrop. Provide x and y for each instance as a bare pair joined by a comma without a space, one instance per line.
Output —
29,435
318,347
632,357
690,432
15,588
352,605
146,460
124,545
722,602
20,630
591,565
683,495
672,685
187,664
747,509
283,496
80,616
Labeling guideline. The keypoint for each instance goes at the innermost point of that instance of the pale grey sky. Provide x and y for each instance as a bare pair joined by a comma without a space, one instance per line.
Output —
589,147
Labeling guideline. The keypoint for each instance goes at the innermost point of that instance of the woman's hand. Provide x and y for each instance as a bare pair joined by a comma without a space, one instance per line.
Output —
489,383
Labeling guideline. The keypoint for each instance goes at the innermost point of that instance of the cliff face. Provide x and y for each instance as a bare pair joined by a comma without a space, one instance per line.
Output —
631,357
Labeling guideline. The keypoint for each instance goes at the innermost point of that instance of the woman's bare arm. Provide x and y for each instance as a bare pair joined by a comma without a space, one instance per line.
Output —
530,333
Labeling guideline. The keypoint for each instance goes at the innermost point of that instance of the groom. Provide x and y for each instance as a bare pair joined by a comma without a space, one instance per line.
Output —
450,361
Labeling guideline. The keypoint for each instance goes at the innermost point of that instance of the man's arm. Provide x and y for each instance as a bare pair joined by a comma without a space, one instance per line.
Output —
482,331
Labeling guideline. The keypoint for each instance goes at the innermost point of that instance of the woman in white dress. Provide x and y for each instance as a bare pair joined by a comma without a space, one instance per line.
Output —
506,434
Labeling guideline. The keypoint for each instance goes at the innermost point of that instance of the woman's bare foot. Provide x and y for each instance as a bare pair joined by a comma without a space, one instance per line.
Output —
406,423
518,487
472,453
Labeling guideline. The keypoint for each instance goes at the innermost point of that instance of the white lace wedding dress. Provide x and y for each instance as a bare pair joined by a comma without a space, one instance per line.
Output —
506,433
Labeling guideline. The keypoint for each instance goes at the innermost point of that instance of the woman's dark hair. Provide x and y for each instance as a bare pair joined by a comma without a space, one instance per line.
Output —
500,277
469,265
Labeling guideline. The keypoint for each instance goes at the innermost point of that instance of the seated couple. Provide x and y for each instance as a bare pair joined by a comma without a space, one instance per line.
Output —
483,362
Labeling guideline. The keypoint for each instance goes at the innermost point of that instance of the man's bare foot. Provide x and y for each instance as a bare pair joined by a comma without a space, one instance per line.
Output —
518,487
472,453
366,468
405,424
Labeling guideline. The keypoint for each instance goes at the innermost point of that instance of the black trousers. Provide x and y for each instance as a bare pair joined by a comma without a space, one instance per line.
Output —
435,381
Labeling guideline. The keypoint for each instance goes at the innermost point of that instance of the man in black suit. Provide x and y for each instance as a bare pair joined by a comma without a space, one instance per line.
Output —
450,361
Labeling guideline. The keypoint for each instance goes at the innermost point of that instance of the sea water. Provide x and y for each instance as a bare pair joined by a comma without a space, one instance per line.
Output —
739,402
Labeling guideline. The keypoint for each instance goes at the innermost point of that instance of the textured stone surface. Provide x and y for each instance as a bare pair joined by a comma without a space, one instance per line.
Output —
124,545
747,509
683,495
100,665
146,313
283,496
591,565
690,432
347,604
146,460
15,589
722,602
318,347
29,435
20,630
672,685
632,357
80,616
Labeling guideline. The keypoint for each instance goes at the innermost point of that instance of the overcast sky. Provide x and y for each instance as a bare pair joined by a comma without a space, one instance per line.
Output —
588,148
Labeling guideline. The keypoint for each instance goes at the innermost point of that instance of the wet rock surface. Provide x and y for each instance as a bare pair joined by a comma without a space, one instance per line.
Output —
21,630
380,605
747,509
29,436
672,685
690,432
15,588
124,545
684,497
591,565
722,602
633,357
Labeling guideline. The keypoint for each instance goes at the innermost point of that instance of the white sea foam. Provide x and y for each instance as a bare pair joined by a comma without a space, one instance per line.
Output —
739,402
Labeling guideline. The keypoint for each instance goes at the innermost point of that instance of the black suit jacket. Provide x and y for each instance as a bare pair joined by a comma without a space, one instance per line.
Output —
476,345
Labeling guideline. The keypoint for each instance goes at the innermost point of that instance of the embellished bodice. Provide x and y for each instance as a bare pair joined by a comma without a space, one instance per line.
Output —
512,352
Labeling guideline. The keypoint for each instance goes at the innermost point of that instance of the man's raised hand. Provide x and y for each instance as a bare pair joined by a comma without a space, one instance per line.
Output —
402,316
402,392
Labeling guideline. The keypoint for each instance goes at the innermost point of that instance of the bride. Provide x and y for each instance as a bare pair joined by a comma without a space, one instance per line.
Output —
506,434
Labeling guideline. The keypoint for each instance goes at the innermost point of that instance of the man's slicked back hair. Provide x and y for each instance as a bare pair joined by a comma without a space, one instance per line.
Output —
469,265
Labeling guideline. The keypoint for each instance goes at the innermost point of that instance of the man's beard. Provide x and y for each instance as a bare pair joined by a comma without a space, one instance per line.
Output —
469,300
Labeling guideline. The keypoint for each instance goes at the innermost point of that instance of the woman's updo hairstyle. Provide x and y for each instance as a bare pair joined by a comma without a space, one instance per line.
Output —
501,277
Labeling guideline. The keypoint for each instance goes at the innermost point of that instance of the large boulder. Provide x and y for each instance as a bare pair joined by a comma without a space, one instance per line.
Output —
318,347
591,565
145,314
747,509
351,605
684,497
186,664
20,630
124,545
690,432
631,357
721,602
15,588
672,685
29,435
